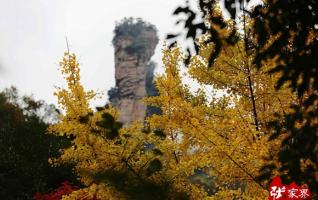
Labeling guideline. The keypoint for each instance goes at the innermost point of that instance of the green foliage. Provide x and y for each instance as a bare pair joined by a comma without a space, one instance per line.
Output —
151,88
137,47
134,29
130,27
113,94
25,148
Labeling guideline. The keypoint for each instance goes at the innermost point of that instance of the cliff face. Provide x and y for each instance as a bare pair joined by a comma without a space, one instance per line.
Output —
134,43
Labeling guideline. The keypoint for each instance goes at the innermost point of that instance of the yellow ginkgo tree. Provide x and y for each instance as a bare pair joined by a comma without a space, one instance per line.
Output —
198,148
224,137
111,162
205,135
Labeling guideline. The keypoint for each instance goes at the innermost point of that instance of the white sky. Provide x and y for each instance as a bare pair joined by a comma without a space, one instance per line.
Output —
32,40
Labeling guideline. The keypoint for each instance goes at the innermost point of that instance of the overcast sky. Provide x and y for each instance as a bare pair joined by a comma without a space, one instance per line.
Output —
32,40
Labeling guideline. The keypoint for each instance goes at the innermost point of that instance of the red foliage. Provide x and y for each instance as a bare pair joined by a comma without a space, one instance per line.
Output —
65,189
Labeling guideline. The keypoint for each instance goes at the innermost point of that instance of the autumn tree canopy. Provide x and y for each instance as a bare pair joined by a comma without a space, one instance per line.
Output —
285,34
264,123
